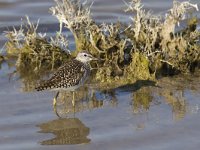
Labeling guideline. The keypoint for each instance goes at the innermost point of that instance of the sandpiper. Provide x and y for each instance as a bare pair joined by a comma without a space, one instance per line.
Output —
70,76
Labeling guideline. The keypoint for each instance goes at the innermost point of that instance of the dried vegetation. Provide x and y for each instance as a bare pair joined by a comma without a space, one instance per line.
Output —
149,47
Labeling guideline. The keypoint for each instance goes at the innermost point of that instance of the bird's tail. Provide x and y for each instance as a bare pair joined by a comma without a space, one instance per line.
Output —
44,86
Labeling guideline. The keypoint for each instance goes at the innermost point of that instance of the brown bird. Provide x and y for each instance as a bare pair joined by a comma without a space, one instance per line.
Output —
70,76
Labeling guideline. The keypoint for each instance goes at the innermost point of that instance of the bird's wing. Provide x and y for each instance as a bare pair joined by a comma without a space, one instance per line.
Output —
67,75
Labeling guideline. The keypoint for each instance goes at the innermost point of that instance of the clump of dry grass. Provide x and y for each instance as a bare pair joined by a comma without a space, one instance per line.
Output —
35,54
155,37
74,15
148,47
33,49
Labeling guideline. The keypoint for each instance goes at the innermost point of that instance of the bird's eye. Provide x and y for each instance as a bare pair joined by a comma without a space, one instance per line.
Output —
85,55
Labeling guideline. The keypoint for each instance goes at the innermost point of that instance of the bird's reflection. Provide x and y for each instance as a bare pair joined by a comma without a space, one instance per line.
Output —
66,131
85,99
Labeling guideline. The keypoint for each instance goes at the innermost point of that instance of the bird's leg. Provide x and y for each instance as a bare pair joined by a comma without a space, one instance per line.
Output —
73,100
55,104
91,94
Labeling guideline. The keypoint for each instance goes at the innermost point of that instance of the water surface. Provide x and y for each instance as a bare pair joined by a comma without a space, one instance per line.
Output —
145,115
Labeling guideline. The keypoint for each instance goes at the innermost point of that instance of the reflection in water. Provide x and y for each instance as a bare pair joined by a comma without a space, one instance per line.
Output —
85,99
66,131
29,77
140,120
142,99
176,100
144,95
173,91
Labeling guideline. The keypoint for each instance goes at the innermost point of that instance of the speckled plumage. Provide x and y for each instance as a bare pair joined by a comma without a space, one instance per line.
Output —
68,77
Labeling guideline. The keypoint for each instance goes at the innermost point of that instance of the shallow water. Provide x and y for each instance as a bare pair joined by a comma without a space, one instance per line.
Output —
144,115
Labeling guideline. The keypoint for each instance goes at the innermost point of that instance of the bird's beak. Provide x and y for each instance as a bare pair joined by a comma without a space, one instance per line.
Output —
94,58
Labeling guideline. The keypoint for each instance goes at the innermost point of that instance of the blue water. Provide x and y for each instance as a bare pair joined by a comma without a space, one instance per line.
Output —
117,119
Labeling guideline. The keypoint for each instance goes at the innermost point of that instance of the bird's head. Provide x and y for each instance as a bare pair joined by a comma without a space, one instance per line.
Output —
85,56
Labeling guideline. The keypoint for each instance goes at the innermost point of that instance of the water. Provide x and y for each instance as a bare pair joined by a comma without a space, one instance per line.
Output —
145,115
